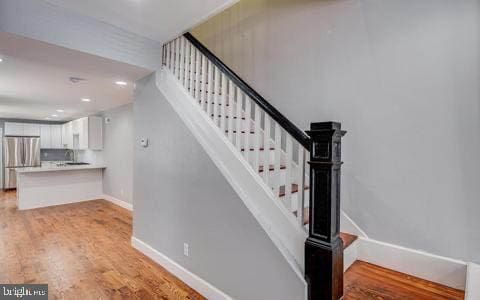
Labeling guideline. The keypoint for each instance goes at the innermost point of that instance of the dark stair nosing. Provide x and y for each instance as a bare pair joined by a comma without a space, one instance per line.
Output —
260,149
243,131
271,168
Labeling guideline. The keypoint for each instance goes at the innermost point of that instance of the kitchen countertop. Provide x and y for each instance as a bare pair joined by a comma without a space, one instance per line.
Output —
51,167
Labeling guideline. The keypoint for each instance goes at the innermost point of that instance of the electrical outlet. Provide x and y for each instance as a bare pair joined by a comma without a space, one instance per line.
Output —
185,249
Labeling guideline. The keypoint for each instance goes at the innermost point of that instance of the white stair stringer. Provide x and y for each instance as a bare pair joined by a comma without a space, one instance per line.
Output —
275,219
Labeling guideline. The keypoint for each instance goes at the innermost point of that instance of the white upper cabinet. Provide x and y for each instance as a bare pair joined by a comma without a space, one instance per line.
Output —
31,129
90,133
67,135
13,129
56,136
84,133
51,136
22,129
45,137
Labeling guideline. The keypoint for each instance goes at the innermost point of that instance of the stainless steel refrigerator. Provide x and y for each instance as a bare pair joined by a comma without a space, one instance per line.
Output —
19,152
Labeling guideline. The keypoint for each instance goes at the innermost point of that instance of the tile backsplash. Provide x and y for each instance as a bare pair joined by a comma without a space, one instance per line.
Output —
52,154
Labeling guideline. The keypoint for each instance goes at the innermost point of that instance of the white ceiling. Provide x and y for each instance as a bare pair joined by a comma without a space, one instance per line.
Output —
34,80
159,20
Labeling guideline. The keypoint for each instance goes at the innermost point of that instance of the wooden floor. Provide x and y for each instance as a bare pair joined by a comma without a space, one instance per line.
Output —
82,251
364,281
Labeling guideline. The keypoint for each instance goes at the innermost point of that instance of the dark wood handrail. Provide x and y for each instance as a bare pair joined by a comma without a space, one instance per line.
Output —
293,130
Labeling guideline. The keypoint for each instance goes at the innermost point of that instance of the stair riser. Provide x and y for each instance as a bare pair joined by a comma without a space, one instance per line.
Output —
294,200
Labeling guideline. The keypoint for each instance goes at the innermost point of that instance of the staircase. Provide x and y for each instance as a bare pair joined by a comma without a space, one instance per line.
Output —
264,157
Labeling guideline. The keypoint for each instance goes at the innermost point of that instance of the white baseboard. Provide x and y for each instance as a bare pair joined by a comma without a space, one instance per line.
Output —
201,286
472,290
118,202
443,270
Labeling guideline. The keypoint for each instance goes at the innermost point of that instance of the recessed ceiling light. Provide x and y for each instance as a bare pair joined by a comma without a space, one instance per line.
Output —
54,116
120,83
86,100
48,118
60,110
1,59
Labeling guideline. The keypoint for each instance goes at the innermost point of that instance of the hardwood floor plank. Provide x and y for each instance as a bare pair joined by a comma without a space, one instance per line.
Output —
364,281
82,251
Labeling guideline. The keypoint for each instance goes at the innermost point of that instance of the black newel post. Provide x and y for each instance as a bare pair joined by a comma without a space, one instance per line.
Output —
324,247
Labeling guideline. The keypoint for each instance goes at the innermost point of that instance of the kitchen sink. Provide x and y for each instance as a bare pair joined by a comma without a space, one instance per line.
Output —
76,163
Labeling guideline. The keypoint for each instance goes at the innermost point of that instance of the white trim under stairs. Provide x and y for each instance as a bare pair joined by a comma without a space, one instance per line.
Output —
435,268
472,291
195,282
118,202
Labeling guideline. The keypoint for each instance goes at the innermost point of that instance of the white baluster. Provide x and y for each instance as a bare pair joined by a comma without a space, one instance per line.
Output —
198,62
278,158
209,89
288,173
177,58
231,101
301,184
187,65
167,49
193,73
203,89
216,100
182,60
172,53
224,108
239,118
266,147
246,126
257,139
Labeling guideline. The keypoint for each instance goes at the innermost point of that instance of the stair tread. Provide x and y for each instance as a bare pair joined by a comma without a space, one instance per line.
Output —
271,168
347,239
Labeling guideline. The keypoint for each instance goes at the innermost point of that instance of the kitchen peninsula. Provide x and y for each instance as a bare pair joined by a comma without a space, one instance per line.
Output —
58,184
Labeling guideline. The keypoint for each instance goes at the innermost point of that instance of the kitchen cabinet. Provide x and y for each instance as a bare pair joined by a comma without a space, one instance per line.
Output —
84,133
67,135
90,133
31,129
45,137
51,136
56,136
22,129
13,129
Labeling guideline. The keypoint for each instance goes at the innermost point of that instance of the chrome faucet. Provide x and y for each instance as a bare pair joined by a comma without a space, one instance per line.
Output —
71,155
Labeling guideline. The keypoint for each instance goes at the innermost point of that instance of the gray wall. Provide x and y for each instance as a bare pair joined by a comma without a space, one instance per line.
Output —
403,77
118,153
181,196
